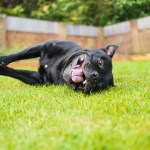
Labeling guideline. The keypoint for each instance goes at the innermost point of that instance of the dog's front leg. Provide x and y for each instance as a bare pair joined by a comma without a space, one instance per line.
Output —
31,52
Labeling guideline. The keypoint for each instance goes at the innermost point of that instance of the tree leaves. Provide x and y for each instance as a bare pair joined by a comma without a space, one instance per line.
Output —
90,12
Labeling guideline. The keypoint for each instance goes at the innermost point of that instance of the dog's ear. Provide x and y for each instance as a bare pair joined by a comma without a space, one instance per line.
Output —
110,50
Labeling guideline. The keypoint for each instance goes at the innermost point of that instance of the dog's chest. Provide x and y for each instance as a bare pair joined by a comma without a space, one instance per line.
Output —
51,70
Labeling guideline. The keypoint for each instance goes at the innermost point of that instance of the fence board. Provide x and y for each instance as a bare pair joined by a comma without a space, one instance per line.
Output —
82,30
143,23
118,28
31,25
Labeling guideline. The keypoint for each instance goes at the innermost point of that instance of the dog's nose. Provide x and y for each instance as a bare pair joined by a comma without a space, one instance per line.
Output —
94,75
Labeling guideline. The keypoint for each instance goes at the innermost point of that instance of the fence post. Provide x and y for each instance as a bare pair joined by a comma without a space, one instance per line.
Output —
100,37
3,31
62,31
135,37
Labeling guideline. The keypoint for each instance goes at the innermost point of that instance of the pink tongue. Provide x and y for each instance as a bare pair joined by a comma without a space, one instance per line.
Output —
77,75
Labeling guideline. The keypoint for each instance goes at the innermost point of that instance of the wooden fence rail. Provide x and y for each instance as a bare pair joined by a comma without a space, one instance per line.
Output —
132,37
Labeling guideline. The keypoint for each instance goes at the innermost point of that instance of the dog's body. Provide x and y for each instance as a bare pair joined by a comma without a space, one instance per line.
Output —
64,62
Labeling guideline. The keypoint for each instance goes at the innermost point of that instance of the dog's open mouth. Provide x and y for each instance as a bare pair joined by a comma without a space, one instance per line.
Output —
77,75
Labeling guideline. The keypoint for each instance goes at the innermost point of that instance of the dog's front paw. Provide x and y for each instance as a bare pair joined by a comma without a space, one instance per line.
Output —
2,64
3,68
3,60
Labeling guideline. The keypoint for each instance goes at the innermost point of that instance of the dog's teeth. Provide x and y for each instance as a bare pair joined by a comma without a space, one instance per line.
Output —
84,82
81,59
45,66
78,66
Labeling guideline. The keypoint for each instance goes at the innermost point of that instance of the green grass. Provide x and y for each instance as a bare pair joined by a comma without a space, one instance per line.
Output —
15,49
55,117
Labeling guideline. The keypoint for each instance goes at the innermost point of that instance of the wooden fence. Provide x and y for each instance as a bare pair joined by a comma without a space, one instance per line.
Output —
132,37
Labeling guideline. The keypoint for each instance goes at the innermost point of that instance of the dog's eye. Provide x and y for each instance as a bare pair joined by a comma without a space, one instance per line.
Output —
100,62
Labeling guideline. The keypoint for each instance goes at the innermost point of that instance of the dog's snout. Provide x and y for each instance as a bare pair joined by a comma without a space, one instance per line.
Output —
94,74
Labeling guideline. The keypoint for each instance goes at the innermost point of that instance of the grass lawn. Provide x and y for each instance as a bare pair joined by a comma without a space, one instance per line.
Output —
55,117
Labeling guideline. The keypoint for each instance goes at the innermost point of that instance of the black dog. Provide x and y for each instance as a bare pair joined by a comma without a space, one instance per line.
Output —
64,62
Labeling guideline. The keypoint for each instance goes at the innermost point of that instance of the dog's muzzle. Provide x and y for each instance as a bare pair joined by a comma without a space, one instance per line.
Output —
82,75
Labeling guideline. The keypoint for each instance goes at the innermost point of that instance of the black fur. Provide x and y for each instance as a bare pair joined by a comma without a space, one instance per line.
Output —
64,62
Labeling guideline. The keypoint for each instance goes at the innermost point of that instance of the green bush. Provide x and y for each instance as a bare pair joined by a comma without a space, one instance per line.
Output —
90,12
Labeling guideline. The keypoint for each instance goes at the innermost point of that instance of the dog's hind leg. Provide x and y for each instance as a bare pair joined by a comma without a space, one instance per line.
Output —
29,77
31,52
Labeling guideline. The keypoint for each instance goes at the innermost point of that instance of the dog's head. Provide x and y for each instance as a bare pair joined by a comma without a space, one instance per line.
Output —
90,70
